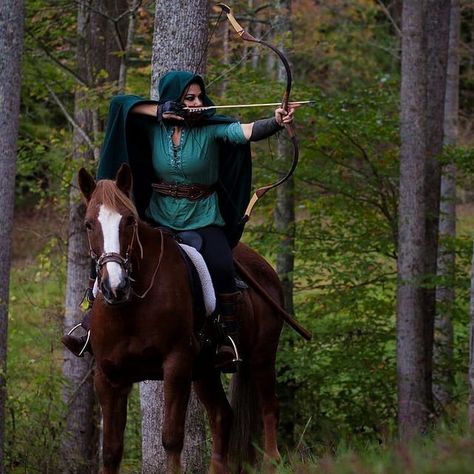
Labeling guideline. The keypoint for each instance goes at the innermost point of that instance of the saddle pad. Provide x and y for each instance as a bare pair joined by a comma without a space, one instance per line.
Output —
208,292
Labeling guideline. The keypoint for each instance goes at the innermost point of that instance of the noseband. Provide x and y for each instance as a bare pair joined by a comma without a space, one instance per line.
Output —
114,257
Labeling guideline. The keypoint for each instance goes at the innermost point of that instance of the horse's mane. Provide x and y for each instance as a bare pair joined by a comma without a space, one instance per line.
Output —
111,196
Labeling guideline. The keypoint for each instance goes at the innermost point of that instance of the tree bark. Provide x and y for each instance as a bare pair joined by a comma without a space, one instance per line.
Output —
284,217
79,441
11,46
424,59
443,341
175,48
411,367
437,42
97,42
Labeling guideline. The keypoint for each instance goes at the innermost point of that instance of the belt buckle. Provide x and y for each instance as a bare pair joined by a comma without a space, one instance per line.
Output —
174,190
193,192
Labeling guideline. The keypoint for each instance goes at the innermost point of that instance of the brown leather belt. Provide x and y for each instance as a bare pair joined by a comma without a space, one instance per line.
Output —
180,191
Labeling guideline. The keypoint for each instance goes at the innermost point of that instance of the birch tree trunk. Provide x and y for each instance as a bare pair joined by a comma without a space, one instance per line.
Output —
96,41
443,341
175,48
11,46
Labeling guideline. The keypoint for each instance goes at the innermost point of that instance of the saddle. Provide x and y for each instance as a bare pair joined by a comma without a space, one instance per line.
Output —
193,239
209,333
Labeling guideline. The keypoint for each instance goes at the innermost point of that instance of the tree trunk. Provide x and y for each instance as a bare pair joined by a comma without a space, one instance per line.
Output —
284,220
175,48
79,442
97,41
285,205
129,34
411,367
424,59
443,341
437,43
11,45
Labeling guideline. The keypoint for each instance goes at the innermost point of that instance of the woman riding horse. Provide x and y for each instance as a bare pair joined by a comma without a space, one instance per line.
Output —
191,172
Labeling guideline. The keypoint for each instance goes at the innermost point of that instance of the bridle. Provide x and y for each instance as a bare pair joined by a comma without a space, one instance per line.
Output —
114,257
125,262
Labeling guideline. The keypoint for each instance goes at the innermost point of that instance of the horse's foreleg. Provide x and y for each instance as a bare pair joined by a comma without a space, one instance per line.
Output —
177,387
265,383
212,396
113,402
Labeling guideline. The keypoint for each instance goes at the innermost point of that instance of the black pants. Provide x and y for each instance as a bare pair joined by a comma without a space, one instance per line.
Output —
217,254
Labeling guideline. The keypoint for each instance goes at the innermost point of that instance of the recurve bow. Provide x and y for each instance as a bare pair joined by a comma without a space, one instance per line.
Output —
284,104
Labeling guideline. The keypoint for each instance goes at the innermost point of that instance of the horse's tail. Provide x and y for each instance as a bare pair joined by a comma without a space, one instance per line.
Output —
246,426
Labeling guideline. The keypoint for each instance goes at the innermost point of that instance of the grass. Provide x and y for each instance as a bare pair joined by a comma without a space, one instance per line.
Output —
34,407
446,451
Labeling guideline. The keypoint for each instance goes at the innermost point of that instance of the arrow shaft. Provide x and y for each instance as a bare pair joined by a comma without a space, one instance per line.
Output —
235,106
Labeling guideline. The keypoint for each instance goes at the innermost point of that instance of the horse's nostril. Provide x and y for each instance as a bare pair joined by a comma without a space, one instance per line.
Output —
105,288
123,285
117,294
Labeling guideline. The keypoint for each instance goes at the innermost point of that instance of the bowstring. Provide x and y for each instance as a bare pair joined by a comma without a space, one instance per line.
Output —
209,39
236,65
196,69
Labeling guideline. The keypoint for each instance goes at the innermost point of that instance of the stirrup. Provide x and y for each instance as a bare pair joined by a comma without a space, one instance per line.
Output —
236,351
88,338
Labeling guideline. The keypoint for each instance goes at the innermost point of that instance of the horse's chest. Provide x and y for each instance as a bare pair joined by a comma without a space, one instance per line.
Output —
131,362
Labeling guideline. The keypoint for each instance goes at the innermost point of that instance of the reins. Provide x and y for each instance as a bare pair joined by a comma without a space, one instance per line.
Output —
156,269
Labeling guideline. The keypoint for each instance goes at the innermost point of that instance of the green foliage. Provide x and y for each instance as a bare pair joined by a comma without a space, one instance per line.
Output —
342,384
343,44
338,391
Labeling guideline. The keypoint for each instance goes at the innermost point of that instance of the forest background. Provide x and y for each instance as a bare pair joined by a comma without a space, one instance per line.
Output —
340,388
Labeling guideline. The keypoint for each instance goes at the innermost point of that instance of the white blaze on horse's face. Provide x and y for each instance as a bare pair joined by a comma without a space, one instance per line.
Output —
110,222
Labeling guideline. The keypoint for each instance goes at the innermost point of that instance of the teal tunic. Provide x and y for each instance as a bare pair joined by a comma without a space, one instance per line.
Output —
195,160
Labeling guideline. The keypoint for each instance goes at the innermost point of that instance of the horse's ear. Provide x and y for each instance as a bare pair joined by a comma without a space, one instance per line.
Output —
124,179
86,183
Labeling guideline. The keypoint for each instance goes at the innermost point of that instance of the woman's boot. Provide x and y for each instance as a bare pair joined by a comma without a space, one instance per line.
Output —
227,354
78,345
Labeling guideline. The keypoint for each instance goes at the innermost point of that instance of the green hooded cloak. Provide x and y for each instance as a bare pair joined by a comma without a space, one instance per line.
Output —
127,141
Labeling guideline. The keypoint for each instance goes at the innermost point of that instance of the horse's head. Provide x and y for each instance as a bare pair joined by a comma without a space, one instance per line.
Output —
111,223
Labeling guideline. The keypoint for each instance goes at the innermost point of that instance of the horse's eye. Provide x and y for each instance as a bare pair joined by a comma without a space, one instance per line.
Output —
130,221
88,225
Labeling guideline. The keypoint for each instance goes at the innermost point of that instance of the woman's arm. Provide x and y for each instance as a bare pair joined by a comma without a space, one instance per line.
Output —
145,109
168,110
281,118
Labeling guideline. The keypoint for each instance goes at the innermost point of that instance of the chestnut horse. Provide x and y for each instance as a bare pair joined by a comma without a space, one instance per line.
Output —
144,326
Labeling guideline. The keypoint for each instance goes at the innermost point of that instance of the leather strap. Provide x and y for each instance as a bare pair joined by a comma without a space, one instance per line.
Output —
192,192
